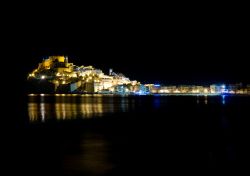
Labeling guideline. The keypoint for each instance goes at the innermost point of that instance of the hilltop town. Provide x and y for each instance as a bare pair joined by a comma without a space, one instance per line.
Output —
56,74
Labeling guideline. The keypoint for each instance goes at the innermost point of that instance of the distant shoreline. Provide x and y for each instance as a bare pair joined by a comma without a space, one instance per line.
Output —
170,94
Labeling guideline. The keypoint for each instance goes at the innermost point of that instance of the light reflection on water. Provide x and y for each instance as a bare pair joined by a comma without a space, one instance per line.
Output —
63,107
193,127
42,107
205,99
92,158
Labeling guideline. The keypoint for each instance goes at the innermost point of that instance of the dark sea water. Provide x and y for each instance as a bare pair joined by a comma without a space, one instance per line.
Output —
127,135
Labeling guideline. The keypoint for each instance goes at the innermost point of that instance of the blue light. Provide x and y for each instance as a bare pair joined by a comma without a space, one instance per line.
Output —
223,99
141,93
157,85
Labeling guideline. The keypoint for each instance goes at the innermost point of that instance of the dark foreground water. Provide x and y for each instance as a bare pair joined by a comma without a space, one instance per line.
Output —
114,135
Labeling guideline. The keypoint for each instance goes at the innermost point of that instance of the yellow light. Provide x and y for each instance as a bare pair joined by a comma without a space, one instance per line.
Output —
205,91
166,91
161,91
31,75
176,91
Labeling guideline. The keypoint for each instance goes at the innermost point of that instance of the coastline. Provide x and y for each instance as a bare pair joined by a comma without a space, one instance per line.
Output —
117,94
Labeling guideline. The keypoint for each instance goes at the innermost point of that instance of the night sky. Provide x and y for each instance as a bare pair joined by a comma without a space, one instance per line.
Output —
177,47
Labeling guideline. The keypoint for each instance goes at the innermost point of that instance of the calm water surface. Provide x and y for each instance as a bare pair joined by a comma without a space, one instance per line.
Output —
124,135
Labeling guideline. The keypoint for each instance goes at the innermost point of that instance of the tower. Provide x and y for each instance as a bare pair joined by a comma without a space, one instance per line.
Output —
110,71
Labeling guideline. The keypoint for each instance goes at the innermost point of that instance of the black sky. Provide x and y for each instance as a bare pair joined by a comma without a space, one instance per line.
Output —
173,47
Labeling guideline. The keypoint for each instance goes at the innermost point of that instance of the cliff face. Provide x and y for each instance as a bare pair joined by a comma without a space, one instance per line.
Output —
38,86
